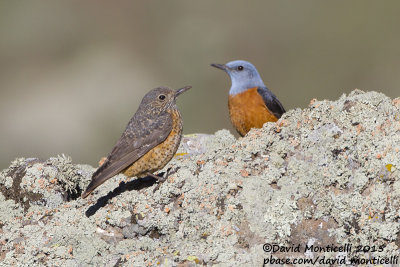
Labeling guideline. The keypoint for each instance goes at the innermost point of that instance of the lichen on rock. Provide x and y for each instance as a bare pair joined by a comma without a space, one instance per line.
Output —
324,175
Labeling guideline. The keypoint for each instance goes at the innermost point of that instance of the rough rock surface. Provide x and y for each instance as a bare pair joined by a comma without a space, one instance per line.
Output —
325,175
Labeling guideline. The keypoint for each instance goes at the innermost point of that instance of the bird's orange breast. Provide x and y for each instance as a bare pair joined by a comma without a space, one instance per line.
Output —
248,110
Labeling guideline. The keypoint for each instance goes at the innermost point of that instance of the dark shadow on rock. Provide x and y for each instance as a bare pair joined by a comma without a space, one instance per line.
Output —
136,184
16,193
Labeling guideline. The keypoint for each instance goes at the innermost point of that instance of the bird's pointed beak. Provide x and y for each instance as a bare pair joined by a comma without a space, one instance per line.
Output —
221,67
181,90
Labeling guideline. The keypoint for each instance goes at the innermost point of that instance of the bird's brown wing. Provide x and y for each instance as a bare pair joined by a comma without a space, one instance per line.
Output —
271,101
140,136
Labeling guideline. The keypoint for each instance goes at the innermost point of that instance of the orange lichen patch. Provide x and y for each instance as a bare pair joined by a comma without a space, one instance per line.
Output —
378,130
70,250
378,156
278,129
53,181
283,123
200,162
396,102
221,163
167,210
312,101
102,160
132,254
226,230
359,129
147,206
244,173
41,183
19,248
257,132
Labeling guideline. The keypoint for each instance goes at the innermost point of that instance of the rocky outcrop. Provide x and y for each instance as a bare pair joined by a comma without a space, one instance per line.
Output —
323,177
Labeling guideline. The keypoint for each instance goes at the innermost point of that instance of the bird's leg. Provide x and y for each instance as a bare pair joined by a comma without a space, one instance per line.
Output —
171,171
158,178
163,178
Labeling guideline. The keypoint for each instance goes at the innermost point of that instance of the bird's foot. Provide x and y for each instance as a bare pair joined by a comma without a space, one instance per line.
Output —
165,175
162,179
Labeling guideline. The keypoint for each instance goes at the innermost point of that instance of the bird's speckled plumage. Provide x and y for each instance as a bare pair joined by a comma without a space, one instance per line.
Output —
149,141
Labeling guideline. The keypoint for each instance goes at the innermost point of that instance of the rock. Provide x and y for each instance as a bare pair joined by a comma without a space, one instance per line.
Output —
327,175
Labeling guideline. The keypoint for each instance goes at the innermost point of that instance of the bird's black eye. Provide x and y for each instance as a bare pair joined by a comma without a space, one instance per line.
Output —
240,68
161,97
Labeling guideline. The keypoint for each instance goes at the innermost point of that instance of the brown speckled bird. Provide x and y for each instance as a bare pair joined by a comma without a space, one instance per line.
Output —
251,103
149,141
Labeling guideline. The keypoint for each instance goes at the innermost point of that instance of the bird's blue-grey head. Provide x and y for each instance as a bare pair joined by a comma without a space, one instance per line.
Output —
243,75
